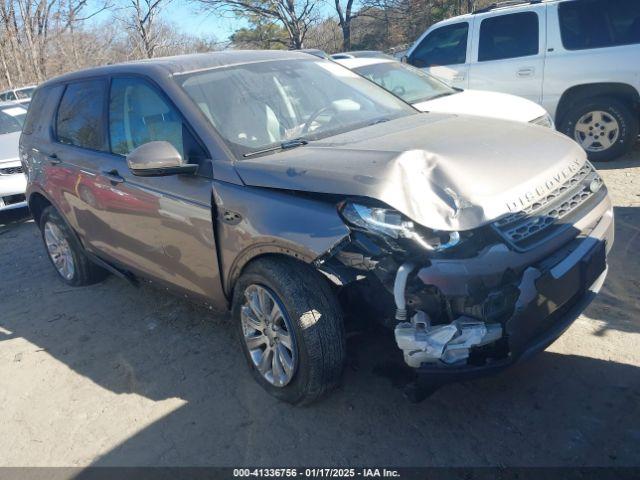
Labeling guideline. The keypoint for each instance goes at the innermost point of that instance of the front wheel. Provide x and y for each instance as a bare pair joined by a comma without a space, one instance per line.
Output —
291,329
605,127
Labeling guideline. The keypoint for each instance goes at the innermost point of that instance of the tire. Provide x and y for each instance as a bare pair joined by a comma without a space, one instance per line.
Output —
82,271
311,313
612,113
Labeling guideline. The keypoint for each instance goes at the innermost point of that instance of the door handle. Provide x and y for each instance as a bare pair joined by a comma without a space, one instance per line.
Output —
53,159
113,176
526,72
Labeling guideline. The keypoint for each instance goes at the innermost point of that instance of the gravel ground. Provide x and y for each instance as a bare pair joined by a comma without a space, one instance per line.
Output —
114,375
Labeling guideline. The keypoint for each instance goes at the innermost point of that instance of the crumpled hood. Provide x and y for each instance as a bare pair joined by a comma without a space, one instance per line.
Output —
9,147
445,172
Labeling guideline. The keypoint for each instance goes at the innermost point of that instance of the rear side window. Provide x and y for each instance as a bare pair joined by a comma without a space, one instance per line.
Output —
138,114
599,23
509,36
444,46
80,115
35,110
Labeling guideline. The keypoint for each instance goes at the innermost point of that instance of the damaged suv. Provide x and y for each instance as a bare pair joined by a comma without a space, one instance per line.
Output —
295,192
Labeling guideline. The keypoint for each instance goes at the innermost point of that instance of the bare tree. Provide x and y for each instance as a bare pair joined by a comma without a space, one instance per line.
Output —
141,20
295,16
346,14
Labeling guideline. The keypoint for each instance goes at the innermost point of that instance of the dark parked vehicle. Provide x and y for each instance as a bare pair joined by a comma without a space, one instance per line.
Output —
297,193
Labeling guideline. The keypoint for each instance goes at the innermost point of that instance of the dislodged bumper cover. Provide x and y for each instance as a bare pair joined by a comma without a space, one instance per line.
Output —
445,172
551,293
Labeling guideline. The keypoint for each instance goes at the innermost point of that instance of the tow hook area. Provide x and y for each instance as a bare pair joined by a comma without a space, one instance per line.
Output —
422,342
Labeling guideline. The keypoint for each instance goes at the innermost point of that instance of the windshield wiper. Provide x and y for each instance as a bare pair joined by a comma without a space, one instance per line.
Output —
296,142
376,122
440,95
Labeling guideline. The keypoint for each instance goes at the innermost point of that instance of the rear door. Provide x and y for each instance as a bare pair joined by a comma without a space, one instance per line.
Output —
444,52
508,52
76,156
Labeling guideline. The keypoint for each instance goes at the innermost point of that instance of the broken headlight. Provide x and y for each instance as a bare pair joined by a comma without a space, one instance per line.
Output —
388,222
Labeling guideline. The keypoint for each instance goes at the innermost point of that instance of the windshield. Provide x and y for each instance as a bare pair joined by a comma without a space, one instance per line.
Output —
264,104
25,93
405,81
11,119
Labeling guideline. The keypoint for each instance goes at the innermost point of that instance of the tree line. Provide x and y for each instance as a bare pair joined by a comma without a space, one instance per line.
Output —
43,38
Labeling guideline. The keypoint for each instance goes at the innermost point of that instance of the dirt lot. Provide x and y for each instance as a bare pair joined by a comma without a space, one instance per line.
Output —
113,375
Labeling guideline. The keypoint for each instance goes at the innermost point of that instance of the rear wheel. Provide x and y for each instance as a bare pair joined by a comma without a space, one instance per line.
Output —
605,127
291,329
65,251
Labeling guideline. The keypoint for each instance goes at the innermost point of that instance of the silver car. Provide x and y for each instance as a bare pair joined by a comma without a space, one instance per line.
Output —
299,195
13,182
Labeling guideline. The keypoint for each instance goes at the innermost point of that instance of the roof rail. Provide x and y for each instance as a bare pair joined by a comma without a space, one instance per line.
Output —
507,3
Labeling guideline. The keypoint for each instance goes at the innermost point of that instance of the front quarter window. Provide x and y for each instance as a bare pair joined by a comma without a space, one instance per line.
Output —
258,105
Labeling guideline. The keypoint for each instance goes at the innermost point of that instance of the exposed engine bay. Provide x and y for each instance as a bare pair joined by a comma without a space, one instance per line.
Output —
473,298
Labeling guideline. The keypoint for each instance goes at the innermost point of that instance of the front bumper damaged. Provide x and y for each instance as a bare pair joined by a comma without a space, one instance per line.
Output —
543,300
462,316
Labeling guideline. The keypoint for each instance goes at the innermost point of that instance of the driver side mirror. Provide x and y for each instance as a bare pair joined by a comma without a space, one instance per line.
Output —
404,59
155,159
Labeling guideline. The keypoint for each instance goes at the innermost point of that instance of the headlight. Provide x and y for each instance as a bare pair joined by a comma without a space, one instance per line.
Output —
387,222
544,121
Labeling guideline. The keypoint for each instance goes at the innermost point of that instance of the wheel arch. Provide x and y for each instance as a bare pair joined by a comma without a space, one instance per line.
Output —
620,91
257,252
37,203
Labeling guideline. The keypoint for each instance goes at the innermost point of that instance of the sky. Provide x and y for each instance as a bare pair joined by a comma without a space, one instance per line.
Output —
186,16
189,20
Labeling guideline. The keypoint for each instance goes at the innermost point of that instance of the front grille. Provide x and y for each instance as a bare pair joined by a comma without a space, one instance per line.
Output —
535,223
11,170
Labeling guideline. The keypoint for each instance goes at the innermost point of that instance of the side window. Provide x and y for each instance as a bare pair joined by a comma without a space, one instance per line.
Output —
509,36
444,46
617,23
79,119
138,114
35,110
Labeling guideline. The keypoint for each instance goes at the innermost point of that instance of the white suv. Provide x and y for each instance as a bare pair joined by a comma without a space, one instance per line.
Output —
580,59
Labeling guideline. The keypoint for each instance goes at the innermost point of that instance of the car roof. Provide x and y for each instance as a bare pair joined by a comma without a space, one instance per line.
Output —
11,104
359,54
352,63
504,6
182,64
17,89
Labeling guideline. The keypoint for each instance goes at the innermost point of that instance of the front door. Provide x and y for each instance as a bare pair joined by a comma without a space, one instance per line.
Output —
163,224
508,53
443,52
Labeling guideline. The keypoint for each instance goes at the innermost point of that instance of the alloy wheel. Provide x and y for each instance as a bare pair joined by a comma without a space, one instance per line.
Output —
59,250
268,334
597,131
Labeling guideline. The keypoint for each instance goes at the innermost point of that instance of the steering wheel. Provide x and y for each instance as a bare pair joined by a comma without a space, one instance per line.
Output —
315,115
398,90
